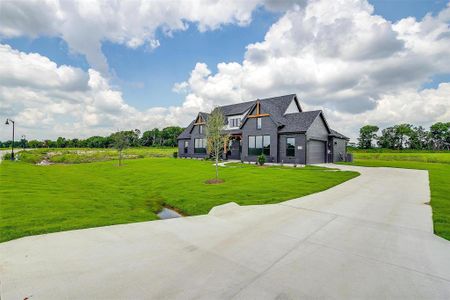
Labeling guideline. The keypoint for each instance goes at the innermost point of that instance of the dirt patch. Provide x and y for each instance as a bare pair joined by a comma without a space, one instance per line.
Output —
214,181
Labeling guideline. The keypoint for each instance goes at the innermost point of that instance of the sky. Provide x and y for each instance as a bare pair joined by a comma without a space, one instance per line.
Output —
83,68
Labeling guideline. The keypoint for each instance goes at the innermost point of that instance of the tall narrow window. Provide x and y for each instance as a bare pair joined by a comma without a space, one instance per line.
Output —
290,146
186,146
266,145
258,123
200,129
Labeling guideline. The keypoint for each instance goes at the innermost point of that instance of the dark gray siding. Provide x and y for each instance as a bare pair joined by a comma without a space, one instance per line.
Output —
339,149
195,134
181,148
268,127
300,157
318,130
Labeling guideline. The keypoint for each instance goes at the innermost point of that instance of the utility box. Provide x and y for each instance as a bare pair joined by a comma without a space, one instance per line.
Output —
349,157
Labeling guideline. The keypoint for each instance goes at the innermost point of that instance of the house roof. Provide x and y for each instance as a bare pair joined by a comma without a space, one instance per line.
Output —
299,122
338,135
275,107
186,134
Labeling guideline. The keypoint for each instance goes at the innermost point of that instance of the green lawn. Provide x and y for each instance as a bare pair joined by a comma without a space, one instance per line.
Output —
41,199
439,174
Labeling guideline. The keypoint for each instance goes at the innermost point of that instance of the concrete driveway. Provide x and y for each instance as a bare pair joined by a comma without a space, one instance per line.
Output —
370,237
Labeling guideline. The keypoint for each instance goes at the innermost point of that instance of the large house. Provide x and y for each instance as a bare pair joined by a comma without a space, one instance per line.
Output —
276,127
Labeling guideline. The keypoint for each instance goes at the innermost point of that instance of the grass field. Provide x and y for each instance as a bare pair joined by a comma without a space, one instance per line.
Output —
80,155
41,199
439,174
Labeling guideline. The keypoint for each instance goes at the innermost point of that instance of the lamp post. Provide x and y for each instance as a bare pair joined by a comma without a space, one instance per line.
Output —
12,145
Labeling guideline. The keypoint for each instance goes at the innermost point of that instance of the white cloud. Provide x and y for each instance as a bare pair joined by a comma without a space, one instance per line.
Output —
84,24
337,56
340,57
48,101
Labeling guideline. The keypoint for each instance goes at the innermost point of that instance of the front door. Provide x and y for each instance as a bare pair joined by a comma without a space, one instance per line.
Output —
235,149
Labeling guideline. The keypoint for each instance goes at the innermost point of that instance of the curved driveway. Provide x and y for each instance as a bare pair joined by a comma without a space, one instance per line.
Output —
370,237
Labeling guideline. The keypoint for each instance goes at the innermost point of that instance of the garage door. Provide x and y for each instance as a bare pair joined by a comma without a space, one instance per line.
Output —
316,152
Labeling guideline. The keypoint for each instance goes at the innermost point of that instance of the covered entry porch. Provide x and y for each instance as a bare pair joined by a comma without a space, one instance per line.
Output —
233,149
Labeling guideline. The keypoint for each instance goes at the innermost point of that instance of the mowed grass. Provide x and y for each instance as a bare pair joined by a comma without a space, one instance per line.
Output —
42,199
439,175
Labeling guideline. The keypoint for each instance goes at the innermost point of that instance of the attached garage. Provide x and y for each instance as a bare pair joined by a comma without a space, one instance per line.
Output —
316,152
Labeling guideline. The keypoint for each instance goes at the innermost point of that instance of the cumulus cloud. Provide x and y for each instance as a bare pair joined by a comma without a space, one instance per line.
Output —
337,56
47,100
84,24
340,57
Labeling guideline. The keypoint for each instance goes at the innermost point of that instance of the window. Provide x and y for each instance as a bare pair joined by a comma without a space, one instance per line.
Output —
200,129
266,145
186,146
235,122
290,146
259,144
199,145
258,123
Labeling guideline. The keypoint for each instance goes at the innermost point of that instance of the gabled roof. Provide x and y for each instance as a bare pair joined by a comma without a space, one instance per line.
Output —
299,122
236,109
186,134
276,108
338,135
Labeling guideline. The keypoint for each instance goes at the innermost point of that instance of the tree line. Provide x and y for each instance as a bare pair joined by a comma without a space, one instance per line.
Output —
406,136
150,138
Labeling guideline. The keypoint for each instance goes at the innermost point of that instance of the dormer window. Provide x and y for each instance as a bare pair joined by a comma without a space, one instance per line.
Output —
234,122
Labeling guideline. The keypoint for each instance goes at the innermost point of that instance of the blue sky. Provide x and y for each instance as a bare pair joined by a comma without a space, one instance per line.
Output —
146,77
352,71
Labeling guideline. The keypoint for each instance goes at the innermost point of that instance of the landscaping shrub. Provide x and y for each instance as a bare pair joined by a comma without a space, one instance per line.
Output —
261,159
175,154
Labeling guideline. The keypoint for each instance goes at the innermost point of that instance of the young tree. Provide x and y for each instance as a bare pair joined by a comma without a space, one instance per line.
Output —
216,138
121,141
366,135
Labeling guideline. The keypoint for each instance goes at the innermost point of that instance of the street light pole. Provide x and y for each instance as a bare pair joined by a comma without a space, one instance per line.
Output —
12,145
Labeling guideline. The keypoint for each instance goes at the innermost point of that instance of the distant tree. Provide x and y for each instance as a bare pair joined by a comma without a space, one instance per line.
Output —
23,143
35,144
121,141
169,135
419,138
61,142
387,139
402,132
440,135
147,138
216,138
367,134
96,142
